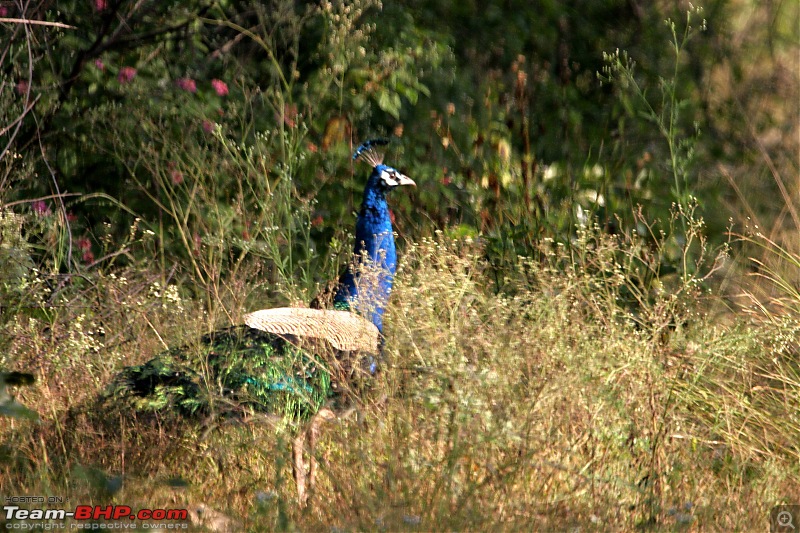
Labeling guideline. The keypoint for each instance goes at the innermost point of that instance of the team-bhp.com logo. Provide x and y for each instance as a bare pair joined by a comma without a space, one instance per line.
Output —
115,513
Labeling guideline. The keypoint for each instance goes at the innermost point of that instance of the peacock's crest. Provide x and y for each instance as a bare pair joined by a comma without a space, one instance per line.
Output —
369,153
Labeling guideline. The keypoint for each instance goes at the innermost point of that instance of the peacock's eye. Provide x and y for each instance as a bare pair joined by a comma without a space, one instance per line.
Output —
392,178
389,177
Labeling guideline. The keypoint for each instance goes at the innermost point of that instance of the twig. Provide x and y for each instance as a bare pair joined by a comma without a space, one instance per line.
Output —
37,22
48,197
21,116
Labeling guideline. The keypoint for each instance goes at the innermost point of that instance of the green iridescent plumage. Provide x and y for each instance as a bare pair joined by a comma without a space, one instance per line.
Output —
229,371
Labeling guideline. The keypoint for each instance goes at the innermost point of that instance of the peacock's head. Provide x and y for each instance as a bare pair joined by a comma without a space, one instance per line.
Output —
390,178
386,177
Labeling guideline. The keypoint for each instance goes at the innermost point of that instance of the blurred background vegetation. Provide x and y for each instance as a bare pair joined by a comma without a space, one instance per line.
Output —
508,114
166,164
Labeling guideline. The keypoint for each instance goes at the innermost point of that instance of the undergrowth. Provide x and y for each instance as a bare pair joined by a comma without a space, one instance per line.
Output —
546,405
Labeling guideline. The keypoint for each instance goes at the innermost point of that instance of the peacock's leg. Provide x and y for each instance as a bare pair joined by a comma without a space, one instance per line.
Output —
323,415
313,432
299,468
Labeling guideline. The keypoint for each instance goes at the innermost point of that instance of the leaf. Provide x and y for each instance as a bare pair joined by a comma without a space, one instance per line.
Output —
390,103
17,378
10,407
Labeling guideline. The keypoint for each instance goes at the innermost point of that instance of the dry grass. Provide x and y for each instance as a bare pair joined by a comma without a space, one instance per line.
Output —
545,406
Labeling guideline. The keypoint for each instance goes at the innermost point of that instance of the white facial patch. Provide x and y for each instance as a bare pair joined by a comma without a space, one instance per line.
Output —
392,178
389,177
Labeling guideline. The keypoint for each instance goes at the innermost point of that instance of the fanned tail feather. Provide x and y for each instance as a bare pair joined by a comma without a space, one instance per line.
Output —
343,330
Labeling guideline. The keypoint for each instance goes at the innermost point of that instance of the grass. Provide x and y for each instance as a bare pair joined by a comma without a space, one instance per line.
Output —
546,406
591,392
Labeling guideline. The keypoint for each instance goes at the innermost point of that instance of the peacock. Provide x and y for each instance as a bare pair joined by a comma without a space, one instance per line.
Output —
287,362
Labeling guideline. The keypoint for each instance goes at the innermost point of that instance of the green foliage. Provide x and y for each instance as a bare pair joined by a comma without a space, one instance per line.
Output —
501,118
14,256
512,138
8,405
667,114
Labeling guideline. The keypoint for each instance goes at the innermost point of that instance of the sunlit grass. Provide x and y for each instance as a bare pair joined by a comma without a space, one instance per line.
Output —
546,405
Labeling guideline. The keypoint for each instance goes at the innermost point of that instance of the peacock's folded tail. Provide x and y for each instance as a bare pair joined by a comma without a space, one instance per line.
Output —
231,371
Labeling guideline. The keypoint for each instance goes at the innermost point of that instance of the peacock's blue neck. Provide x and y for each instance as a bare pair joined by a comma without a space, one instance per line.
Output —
375,241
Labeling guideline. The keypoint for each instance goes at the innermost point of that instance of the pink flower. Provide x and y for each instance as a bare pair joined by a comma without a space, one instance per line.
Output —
198,242
40,208
84,244
100,5
88,256
126,74
187,84
3,11
175,175
220,86
22,86
289,115
99,64
208,126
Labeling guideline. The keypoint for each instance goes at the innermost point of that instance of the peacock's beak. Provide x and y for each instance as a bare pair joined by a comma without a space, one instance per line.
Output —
402,179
